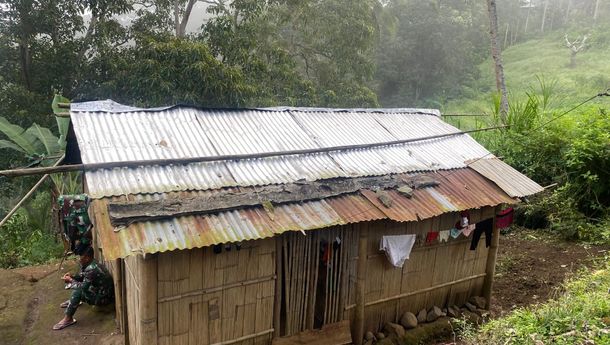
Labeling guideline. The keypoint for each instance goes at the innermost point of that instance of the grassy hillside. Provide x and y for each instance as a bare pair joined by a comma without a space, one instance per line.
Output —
545,58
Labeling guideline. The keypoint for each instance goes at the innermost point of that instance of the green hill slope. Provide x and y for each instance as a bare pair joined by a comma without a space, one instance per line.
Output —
548,59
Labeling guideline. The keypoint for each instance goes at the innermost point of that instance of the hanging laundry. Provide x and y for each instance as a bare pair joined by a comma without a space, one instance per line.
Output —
505,218
455,232
431,237
486,227
464,219
397,248
443,236
469,229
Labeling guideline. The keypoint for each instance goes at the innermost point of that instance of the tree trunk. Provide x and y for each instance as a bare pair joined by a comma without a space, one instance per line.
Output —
595,11
546,6
25,61
497,58
185,18
177,17
527,17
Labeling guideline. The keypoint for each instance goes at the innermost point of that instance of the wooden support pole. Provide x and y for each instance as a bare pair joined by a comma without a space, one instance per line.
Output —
148,300
120,309
277,304
29,194
223,158
490,267
358,326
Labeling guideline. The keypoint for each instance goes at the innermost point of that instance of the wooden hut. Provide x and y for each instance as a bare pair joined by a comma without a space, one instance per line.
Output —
241,226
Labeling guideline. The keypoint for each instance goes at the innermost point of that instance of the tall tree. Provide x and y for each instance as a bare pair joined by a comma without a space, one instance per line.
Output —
497,58
427,50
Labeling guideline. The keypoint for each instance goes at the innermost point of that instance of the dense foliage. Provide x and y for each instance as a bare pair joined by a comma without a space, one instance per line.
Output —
25,239
568,150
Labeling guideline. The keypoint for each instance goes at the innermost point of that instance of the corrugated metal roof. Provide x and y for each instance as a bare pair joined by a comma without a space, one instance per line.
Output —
458,190
510,180
180,132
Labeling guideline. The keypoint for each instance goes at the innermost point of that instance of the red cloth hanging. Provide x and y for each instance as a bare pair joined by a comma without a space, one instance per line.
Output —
432,236
505,218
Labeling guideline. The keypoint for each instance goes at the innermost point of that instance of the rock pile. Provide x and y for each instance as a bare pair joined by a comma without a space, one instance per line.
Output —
474,311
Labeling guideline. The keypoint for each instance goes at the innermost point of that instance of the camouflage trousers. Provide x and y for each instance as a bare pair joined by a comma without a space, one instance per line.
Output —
79,295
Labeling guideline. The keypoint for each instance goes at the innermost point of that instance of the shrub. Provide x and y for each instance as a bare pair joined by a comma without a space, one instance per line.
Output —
572,151
580,316
21,244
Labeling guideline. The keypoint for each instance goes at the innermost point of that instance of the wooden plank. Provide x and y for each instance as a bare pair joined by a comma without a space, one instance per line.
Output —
358,328
148,300
331,334
277,306
490,265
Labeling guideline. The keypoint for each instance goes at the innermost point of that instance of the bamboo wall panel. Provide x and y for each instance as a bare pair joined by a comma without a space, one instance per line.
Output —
316,275
429,265
207,298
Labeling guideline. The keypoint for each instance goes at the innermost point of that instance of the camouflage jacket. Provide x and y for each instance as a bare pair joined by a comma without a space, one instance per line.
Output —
76,218
94,279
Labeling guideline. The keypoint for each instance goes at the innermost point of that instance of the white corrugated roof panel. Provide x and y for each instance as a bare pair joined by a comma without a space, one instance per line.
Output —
184,132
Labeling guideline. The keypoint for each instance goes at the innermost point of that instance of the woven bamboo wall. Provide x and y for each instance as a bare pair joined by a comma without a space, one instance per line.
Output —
132,291
428,266
206,298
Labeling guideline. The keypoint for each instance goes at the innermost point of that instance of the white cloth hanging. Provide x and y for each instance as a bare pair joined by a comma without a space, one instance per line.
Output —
397,248
443,236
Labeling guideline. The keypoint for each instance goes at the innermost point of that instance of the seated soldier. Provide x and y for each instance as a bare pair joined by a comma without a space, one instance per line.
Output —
93,284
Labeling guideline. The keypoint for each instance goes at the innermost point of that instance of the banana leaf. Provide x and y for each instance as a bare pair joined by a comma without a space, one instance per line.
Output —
46,137
5,144
62,122
25,140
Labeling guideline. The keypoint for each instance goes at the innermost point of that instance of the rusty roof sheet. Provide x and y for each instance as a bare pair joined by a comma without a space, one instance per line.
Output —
458,190
506,177
200,231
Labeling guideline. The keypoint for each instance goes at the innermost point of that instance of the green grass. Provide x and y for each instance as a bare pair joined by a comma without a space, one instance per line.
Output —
545,58
580,316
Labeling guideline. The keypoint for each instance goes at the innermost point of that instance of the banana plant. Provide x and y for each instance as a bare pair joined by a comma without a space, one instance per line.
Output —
36,142
41,147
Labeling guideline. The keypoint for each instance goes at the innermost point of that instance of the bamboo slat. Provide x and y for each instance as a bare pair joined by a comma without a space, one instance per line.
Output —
382,300
216,289
277,306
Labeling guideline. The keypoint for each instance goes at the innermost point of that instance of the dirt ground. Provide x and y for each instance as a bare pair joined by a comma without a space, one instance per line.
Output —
530,269
532,265
29,307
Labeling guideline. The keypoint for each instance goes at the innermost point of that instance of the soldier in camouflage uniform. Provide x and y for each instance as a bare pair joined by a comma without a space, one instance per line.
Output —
93,284
75,221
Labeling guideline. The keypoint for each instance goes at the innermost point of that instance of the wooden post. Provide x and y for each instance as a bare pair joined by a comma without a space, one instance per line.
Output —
277,307
490,267
29,193
148,300
117,271
358,327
